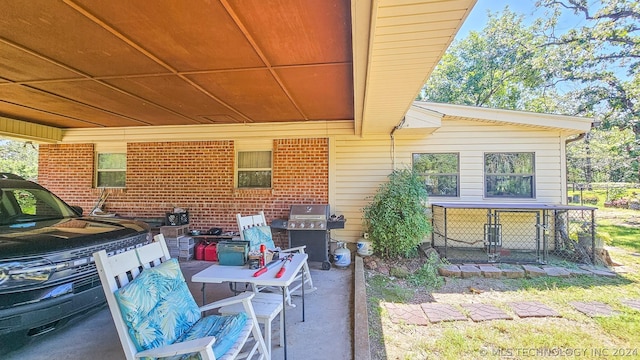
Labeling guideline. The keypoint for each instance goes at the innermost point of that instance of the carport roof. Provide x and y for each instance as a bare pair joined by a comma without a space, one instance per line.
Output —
74,64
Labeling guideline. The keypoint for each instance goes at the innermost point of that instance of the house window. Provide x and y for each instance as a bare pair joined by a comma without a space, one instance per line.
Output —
441,172
509,175
254,169
111,170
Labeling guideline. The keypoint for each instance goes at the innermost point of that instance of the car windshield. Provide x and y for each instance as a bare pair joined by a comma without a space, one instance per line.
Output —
23,205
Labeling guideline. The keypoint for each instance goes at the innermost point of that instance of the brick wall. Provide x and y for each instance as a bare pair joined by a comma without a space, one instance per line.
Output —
194,175
67,171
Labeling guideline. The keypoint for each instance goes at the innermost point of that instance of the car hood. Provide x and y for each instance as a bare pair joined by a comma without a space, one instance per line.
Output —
40,237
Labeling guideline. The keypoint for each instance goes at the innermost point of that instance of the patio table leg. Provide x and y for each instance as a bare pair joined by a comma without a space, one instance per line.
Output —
204,297
284,320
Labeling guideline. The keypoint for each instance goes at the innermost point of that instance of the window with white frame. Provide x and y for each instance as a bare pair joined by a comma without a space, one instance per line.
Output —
441,172
509,175
254,169
111,170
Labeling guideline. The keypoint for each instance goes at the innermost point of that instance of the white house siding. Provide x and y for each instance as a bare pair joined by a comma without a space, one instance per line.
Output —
362,164
357,165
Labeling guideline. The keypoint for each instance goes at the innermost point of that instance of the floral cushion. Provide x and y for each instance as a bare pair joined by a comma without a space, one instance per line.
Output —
157,306
258,235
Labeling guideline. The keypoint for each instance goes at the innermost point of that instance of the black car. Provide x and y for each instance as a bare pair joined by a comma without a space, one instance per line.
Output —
47,272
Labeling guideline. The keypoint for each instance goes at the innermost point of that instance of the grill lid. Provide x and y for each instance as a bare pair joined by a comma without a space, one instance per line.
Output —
309,212
308,217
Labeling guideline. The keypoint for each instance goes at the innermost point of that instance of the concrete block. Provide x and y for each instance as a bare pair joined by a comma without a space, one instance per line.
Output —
449,270
467,271
556,271
513,273
533,271
490,271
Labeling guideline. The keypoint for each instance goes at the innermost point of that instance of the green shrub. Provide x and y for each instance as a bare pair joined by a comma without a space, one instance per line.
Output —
396,218
616,193
427,276
590,199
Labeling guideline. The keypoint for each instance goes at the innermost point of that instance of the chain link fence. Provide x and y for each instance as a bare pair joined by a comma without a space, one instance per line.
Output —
515,233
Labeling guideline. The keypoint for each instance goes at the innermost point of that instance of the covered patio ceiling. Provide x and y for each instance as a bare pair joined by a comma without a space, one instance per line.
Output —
82,64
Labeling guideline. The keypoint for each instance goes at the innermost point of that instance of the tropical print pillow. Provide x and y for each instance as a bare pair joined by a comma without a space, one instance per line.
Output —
157,306
257,236
226,329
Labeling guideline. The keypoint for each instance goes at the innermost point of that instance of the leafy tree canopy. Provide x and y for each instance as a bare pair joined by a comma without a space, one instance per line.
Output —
495,67
19,158
602,57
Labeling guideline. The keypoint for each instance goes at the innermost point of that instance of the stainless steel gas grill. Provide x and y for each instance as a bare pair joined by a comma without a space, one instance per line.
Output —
307,225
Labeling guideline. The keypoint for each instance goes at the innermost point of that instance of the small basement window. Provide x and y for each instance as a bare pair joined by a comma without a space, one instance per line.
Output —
111,170
254,169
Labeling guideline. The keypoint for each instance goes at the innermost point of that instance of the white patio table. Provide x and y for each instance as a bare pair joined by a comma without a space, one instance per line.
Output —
217,274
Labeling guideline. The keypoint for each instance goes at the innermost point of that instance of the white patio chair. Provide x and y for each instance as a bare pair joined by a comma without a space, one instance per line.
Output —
156,316
255,229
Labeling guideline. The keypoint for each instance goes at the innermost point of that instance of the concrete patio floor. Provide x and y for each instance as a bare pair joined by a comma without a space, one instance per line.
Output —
327,332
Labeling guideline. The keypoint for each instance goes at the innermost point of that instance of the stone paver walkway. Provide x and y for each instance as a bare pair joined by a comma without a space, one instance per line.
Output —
635,304
423,314
525,309
437,312
518,271
406,313
485,312
593,308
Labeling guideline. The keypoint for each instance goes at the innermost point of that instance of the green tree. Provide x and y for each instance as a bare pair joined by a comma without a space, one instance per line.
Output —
20,158
602,158
498,67
603,56
600,62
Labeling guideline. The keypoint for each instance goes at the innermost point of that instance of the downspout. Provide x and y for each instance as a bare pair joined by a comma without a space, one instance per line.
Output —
393,143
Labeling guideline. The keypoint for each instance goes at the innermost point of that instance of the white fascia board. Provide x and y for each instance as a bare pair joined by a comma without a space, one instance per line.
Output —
419,118
574,124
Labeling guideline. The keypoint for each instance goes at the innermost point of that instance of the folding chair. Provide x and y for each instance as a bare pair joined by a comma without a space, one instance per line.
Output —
156,316
254,228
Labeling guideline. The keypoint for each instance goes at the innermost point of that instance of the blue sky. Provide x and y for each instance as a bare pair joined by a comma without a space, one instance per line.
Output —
477,19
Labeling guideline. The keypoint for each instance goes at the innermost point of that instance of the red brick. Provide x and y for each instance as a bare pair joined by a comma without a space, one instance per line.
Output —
194,175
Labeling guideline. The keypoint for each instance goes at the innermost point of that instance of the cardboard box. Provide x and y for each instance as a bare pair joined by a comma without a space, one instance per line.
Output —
174,231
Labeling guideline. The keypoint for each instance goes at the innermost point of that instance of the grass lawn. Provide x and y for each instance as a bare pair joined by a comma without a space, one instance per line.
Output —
572,335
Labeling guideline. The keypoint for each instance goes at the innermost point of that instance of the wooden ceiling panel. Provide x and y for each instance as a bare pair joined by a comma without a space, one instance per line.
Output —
176,94
57,31
299,31
100,96
323,92
17,65
201,34
39,100
255,93
20,112
119,63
